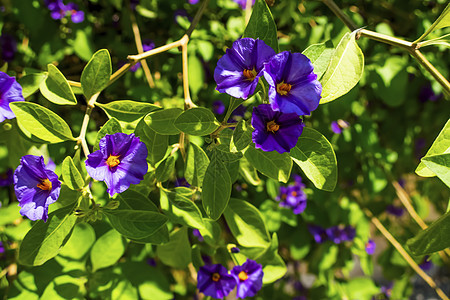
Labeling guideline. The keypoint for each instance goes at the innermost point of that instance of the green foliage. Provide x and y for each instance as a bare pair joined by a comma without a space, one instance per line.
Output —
197,163
197,121
180,209
107,250
262,26
320,56
110,127
30,83
162,121
156,143
177,252
441,22
56,88
439,165
96,74
72,177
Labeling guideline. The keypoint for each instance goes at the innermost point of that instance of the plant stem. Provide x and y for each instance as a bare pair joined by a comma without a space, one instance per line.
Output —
82,137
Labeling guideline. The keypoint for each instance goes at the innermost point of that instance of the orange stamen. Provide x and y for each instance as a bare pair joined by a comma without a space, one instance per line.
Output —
294,193
113,160
215,277
272,126
243,276
249,74
45,185
283,88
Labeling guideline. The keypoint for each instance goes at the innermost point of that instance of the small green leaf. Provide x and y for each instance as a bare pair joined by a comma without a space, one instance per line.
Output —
440,145
196,74
110,127
216,187
157,144
107,250
434,238
162,121
41,122
315,156
45,239
165,169
72,177
246,224
56,88
320,56
180,209
197,121
262,26
127,111
440,165
272,164
442,21
96,74
242,136
196,164
177,252
344,71
30,83
273,265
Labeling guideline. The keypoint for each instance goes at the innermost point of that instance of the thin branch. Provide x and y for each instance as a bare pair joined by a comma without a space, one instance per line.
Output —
248,10
82,137
197,17
187,96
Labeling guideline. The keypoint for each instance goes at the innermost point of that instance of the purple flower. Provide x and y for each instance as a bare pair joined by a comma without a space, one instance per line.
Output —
182,14
334,234
2,248
335,127
248,278
370,247
58,10
294,87
7,178
426,264
394,210
151,262
10,91
319,234
243,3
235,250
148,45
275,130
36,187
8,47
218,107
238,71
197,234
387,289
348,233
237,114
193,1
427,94
214,281
293,197
121,161
182,182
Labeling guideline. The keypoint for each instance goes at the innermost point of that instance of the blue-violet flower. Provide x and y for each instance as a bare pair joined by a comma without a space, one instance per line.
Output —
10,91
7,178
248,278
214,281
370,247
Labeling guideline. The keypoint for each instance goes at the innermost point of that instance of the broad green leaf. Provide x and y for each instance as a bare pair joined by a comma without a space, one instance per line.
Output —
224,154
344,71
315,156
73,288
249,172
272,164
41,122
394,80
196,74
82,45
246,224
177,252
56,88
157,144
127,111
135,224
30,83
262,26
162,121
80,242
216,187
197,121
180,209
442,21
71,176
211,232
165,169
110,127
45,239
273,265
107,250
96,74
196,164
440,145
320,56
439,165
10,213
242,136
360,288
434,238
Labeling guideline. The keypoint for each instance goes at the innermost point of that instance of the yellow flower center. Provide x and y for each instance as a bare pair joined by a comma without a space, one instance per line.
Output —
294,193
215,277
243,276
45,185
249,74
113,160
272,126
283,88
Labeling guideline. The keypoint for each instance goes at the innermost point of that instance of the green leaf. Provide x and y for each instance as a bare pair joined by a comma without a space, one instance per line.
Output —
273,265
71,176
180,209
197,121
41,122
135,224
440,145
177,252
56,88
165,169
45,239
162,121
272,164
344,71
262,26
30,83
110,127
211,232
246,224
440,165
320,56
224,154
157,144
80,242
442,21
442,40
249,172
96,74
242,136
216,187
434,238
107,250
127,111
196,164
8,214
315,156
72,288
196,74
234,103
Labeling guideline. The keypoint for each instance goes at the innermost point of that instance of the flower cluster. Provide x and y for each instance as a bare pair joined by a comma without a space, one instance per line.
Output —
7,178
336,234
293,90
293,196
216,282
59,10
10,91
